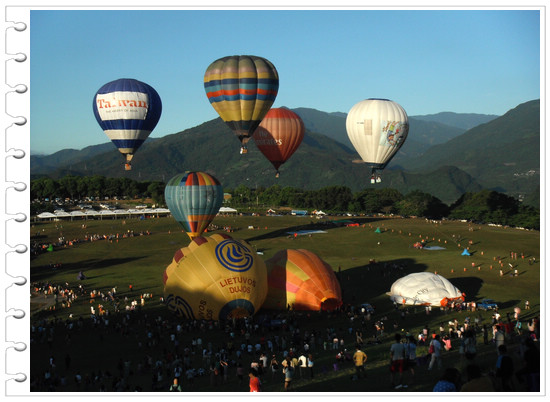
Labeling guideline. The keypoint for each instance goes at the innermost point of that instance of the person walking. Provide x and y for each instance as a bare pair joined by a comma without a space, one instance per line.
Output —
359,358
397,360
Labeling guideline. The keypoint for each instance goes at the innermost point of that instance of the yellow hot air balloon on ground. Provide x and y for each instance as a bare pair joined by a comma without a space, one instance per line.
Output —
302,280
215,278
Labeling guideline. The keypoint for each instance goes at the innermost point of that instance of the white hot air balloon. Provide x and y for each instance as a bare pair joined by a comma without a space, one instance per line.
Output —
377,128
426,289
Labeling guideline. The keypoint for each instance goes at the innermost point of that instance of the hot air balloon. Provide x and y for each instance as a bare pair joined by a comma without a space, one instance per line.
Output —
377,128
127,110
194,199
424,288
241,89
279,134
301,279
215,278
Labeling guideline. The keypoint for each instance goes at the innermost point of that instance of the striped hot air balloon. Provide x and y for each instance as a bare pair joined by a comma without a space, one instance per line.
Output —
194,199
279,135
301,279
241,89
127,110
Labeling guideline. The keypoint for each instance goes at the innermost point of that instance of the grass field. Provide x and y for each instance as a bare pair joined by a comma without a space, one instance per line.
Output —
140,261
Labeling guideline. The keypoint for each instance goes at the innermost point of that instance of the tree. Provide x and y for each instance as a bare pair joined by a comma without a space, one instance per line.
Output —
485,206
417,203
49,189
112,187
378,200
68,186
156,192
97,186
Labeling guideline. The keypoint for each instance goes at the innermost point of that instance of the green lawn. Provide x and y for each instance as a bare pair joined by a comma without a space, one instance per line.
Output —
141,260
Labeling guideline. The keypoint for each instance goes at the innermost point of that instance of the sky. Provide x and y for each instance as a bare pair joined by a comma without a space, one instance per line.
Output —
484,61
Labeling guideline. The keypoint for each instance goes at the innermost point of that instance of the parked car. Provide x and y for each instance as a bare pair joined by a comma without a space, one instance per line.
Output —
487,304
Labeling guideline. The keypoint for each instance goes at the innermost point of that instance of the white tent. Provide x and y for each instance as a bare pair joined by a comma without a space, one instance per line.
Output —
46,215
424,288
227,210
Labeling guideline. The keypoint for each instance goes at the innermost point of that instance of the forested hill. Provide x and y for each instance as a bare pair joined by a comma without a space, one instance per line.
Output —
436,158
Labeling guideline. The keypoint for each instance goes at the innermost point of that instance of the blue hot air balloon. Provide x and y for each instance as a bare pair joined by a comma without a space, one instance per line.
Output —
127,110
194,199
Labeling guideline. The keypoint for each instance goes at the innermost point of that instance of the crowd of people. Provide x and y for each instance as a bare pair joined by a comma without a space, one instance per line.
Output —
174,355
39,247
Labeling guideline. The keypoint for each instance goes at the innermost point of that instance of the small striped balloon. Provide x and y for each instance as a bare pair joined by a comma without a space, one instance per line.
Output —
194,199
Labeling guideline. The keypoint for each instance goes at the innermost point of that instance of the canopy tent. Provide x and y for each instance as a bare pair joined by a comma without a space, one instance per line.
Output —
466,252
377,230
227,210
103,213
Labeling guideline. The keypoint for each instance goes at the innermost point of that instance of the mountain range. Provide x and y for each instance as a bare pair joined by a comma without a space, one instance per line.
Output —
445,154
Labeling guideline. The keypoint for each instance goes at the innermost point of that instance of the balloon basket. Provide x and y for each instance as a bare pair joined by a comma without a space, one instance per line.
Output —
127,166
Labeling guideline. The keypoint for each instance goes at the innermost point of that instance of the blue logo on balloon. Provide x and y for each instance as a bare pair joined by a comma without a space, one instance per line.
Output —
237,308
234,256
180,306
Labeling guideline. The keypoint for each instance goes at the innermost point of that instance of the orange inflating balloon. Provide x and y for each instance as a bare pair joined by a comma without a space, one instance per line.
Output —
301,280
279,135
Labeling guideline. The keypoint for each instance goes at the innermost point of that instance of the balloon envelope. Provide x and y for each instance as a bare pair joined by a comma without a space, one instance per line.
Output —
127,110
301,279
377,128
279,135
215,278
194,199
241,89
424,288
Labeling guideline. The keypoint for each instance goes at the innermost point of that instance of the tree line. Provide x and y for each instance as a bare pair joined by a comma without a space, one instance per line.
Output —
485,206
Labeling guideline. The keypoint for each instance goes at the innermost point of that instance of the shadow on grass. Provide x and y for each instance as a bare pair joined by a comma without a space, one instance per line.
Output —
312,225
44,272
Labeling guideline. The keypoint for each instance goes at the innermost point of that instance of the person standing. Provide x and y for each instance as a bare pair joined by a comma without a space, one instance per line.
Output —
435,347
175,387
254,382
359,358
498,336
274,364
397,359
302,363
310,364
449,382
410,357
505,370
288,371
